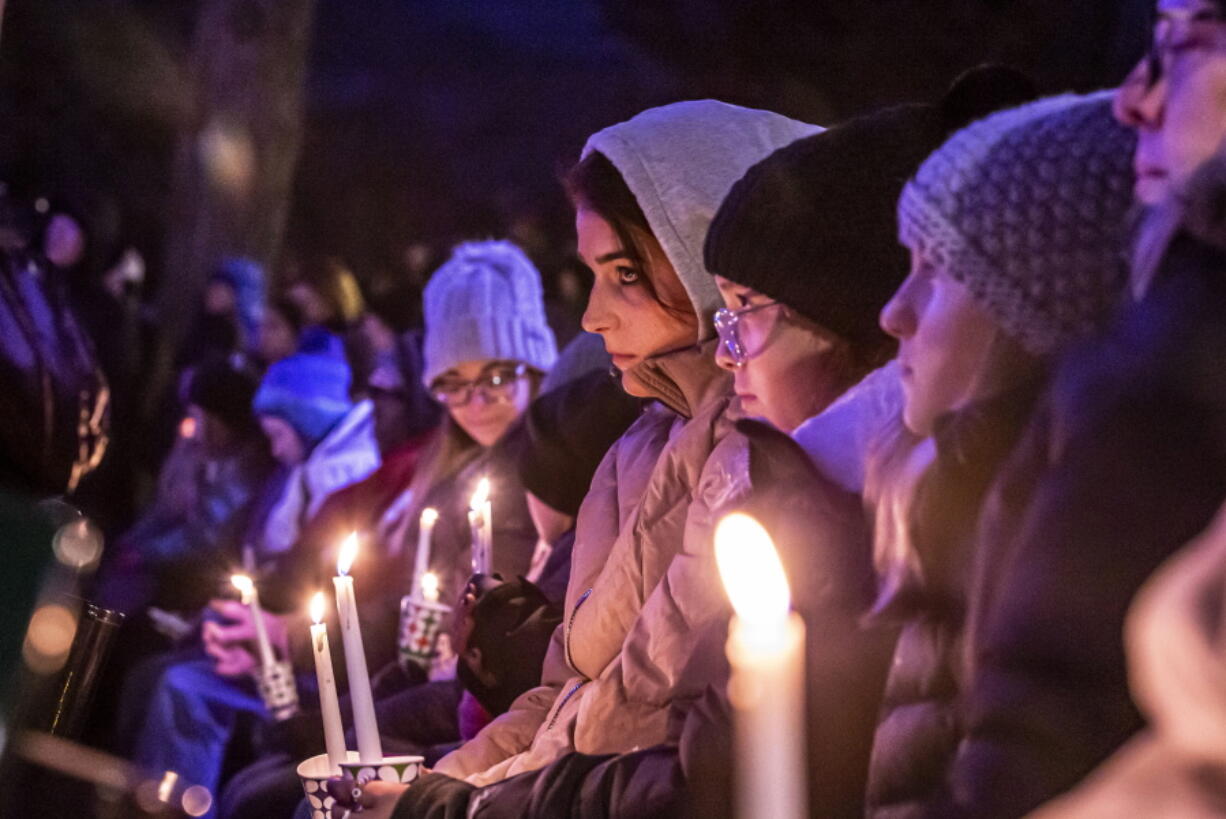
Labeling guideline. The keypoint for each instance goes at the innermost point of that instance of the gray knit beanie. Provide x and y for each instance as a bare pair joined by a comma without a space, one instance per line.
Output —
1028,209
486,303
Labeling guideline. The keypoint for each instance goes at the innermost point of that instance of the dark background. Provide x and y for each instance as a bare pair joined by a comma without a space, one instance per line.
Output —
434,120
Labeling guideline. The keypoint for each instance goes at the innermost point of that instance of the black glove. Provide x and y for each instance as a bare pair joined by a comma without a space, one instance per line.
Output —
434,796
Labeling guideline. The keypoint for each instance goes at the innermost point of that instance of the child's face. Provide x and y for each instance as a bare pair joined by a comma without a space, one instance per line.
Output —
787,370
943,341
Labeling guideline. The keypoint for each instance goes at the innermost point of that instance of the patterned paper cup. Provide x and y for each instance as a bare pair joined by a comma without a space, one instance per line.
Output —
401,769
420,625
277,689
315,773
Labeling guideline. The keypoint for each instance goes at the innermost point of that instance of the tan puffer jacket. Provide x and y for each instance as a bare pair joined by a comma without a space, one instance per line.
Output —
633,602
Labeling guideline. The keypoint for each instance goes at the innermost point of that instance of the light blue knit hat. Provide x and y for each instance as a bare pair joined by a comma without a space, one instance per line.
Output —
486,303
1028,208
308,390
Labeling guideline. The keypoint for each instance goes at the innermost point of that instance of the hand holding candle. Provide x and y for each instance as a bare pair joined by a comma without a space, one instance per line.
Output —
370,749
766,650
329,703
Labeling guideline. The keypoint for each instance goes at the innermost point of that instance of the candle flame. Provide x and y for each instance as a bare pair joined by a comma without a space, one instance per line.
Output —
428,516
480,496
318,602
349,552
244,585
429,586
752,573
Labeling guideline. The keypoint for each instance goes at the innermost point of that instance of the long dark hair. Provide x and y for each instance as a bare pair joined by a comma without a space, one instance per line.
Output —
595,184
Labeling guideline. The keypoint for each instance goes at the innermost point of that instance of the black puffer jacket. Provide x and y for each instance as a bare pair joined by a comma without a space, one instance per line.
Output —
1125,464
918,731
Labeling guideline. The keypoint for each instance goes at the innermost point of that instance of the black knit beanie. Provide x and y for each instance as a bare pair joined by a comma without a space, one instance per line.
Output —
813,225
225,391
564,435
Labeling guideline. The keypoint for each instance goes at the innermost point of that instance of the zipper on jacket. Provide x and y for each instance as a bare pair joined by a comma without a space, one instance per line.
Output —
570,622
558,711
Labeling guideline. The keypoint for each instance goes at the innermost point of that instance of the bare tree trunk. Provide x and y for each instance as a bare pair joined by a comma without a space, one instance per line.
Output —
234,162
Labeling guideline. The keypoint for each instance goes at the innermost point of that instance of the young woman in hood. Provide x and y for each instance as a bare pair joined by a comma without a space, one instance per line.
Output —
644,193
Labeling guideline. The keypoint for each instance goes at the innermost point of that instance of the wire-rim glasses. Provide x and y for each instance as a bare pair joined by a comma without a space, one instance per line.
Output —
727,325
494,385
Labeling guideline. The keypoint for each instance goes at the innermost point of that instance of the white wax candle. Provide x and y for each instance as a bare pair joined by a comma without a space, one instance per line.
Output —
421,563
251,597
479,515
329,703
766,651
429,587
370,750
487,535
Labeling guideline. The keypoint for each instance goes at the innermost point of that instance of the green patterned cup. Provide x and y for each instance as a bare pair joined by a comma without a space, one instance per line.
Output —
401,769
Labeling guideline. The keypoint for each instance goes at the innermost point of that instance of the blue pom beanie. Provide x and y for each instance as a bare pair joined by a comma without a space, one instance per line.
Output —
308,390
246,278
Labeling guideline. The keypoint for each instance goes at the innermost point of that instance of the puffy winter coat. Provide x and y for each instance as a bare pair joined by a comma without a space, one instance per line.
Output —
1126,465
1176,768
919,728
614,666
822,535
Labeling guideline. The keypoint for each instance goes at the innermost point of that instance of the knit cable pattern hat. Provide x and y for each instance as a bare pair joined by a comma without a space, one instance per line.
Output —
1027,208
485,303
308,390
814,225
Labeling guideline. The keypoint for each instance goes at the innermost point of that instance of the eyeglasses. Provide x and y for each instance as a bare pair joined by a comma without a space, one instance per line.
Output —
494,385
727,324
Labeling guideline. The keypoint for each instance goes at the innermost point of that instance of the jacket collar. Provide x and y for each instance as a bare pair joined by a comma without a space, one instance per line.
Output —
683,380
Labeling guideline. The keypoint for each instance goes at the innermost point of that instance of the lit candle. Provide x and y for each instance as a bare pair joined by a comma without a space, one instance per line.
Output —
251,598
766,651
369,748
429,587
480,514
329,704
421,563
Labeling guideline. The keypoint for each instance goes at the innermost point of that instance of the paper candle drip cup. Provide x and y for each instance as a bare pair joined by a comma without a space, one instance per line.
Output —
276,685
314,774
421,623
396,769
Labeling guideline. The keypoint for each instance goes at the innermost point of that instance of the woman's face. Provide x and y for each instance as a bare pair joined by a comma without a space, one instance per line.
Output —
1180,119
283,442
635,324
943,341
791,371
489,411
278,338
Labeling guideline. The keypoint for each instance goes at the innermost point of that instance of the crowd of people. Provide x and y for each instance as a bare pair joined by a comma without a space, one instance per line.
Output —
957,356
